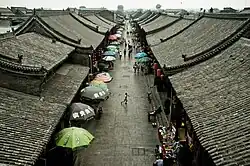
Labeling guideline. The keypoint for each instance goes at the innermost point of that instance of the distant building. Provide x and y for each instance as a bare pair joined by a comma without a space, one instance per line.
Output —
86,11
6,12
228,10
74,10
245,10
120,8
21,11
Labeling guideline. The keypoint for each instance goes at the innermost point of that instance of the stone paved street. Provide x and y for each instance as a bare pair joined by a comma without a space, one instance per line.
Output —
123,136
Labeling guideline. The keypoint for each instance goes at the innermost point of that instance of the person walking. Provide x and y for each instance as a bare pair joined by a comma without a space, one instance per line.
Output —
125,99
135,67
124,52
120,54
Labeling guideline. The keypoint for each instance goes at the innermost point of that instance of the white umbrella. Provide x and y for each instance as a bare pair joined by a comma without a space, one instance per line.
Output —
119,32
118,35
109,58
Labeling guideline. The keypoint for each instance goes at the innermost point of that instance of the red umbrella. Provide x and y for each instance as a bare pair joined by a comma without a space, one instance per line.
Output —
112,37
105,77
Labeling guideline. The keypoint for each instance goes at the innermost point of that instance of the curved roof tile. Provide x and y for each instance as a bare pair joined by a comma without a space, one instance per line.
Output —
215,94
202,35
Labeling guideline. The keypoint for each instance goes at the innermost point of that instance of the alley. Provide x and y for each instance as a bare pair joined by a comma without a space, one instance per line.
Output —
123,135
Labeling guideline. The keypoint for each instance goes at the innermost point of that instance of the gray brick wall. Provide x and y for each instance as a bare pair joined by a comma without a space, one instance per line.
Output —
21,83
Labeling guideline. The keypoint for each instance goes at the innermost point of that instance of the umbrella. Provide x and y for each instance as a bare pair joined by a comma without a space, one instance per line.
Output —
112,37
81,111
97,82
115,43
73,137
109,58
143,60
119,32
120,29
111,47
93,93
140,55
100,84
105,77
118,35
109,53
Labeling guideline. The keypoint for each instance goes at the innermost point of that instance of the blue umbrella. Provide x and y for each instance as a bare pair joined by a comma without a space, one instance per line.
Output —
140,55
109,53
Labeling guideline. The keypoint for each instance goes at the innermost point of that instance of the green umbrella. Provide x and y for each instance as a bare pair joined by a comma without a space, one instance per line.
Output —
143,60
74,137
115,43
102,85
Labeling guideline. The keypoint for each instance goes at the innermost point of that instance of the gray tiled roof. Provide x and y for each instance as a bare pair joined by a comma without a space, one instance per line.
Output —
146,18
63,86
99,22
37,50
106,20
26,125
6,12
167,32
67,25
216,96
200,36
82,19
143,16
159,22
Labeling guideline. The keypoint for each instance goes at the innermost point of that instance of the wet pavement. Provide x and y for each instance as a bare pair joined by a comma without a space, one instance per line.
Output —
123,136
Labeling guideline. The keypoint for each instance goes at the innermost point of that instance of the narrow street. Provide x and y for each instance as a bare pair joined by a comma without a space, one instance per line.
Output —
123,135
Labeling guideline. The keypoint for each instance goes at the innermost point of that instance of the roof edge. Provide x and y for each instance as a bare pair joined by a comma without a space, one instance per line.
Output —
179,32
57,35
221,47
163,27
22,69
103,20
95,29
191,57
228,15
151,19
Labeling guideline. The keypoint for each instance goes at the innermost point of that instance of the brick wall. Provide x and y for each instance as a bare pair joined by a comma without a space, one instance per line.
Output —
21,83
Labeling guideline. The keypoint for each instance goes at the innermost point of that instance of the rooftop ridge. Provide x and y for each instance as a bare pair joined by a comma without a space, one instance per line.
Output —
164,40
87,19
102,19
24,69
211,53
47,13
57,35
163,27
228,15
151,19
89,26
146,18
191,57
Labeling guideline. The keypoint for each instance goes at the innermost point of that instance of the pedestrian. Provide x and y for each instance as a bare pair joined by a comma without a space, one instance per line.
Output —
135,66
130,52
125,99
142,69
158,162
120,54
124,52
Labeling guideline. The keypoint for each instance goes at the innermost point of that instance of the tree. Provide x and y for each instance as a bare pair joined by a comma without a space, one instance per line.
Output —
158,6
